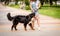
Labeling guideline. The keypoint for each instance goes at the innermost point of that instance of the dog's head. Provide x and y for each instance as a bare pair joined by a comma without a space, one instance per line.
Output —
32,15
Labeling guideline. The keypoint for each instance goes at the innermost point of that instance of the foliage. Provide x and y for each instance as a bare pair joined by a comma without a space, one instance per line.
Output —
27,7
14,6
42,2
27,2
53,11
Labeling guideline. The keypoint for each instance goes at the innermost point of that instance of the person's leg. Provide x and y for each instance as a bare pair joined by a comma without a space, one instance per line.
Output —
38,21
33,22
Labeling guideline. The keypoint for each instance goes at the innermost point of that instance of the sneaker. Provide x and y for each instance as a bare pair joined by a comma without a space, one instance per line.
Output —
39,28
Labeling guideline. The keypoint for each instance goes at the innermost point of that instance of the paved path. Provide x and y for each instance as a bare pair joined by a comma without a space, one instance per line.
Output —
49,26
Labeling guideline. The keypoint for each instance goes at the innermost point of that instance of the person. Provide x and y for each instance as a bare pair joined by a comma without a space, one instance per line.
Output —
22,6
35,5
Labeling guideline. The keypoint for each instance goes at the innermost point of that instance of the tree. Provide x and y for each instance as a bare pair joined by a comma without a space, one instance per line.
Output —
51,2
46,1
16,2
7,2
27,2
55,2
42,2
1,0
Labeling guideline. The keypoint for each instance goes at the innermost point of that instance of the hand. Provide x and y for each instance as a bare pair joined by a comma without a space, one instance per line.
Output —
32,10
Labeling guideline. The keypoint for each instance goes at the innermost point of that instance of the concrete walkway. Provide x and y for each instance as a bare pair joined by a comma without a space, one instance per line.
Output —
49,26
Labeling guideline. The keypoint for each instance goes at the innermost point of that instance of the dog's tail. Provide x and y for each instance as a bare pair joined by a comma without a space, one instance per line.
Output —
9,17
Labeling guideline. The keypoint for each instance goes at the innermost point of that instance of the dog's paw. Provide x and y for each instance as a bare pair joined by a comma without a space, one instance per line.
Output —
33,29
39,28
11,30
25,29
15,29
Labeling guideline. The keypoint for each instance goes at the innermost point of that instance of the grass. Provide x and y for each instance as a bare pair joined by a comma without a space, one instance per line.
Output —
14,6
53,11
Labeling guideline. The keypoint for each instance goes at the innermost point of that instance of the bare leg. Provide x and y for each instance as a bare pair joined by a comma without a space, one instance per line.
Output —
31,26
33,22
38,21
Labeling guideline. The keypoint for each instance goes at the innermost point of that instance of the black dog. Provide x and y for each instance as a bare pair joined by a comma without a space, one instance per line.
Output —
21,19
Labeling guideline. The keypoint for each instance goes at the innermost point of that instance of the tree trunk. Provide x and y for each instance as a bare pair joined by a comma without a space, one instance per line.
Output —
51,2
16,2
7,2
42,2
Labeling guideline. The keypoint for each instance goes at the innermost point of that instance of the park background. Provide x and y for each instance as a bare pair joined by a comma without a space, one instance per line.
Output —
48,7
49,18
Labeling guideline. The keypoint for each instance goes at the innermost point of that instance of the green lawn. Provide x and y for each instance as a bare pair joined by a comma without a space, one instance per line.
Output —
14,6
50,11
53,11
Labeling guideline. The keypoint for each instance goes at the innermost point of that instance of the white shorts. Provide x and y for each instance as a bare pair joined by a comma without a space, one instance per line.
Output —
36,13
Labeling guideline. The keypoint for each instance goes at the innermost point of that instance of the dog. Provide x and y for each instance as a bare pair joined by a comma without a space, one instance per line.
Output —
21,19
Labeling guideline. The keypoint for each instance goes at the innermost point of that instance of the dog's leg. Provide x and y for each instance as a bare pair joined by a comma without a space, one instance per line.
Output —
31,26
12,27
15,27
15,24
25,25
